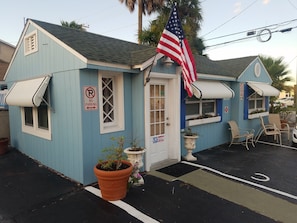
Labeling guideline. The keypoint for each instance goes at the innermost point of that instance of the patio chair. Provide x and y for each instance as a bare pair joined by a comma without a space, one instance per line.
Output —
269,130
283,127
240,136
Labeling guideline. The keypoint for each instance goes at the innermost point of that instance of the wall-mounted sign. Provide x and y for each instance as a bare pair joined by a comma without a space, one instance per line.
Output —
226,109
241,91
90,98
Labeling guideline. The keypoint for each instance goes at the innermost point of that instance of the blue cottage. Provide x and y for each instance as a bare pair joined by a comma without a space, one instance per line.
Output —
70,91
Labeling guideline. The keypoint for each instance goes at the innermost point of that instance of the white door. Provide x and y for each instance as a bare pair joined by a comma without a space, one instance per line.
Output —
162,118
158,120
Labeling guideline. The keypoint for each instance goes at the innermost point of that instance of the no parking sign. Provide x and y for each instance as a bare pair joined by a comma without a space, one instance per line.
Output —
90,98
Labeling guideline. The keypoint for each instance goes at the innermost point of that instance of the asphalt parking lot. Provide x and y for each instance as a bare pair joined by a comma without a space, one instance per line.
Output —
223,185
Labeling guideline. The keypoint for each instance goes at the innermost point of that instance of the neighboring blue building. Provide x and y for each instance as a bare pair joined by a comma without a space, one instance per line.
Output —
70,91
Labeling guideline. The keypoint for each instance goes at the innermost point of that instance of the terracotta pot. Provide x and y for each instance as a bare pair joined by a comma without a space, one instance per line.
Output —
3,145
113,184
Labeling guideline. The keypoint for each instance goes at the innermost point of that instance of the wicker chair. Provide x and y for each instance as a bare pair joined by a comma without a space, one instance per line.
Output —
283,127
269,130
240,136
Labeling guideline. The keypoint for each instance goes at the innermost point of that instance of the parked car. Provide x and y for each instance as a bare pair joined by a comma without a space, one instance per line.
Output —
294,135
284,102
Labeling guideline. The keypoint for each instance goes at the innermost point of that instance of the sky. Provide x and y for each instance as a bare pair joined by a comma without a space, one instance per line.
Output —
224,27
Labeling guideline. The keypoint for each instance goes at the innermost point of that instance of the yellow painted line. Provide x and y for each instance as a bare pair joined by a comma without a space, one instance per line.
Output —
241,194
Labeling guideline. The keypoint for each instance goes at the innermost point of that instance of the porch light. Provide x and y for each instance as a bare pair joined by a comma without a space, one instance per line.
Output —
167,61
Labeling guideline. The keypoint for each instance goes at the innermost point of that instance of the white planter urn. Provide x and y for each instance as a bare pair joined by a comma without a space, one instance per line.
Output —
136,158
190,145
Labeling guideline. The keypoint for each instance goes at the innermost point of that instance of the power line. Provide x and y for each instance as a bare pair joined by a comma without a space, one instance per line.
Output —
259,28
260,33
292,4
230,19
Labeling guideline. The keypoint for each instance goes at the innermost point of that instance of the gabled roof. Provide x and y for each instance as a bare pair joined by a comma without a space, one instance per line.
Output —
230,67
100,48
96,47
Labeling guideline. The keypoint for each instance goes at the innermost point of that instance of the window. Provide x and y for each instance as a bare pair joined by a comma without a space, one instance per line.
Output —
111,101
256,100
30,43
256,103
200,108
35,120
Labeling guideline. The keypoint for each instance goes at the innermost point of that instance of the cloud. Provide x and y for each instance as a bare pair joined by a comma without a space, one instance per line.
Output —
265,2
237,7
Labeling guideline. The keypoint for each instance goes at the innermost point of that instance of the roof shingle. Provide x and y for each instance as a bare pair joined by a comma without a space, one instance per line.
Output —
106,49
100,48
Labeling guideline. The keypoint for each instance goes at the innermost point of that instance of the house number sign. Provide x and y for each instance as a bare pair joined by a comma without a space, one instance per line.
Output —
90,98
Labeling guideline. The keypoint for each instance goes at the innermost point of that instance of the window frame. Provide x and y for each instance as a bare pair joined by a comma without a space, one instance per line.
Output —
203,118
255,98
34,129
118,99
200,103
256,111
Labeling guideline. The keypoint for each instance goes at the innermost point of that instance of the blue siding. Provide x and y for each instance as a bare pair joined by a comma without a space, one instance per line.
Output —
92,141
50,58
212,134
137,104
63,153
249,74
76,143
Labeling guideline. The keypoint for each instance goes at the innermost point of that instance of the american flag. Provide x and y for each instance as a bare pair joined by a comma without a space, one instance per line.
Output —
174,45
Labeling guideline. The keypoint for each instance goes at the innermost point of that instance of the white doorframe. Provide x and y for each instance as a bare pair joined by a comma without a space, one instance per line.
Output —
173,97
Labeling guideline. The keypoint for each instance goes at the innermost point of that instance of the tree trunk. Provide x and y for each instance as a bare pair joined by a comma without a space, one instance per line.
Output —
140,10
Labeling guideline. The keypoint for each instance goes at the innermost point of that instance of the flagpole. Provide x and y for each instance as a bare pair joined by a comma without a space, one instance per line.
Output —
147,79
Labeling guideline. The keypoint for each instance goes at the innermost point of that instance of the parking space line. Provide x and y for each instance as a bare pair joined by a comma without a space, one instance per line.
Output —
274,144
285,194
127,207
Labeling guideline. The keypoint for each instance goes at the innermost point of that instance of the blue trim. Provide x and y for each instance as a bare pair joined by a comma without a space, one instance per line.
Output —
246,102
183,108
267,103
220,108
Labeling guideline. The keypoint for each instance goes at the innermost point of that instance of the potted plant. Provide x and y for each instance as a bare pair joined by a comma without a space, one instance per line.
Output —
3,145
135,156
113,172
190,144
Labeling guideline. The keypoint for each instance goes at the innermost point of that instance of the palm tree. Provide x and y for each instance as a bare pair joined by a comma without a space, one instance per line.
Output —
190,16
73,25
278,72
144,6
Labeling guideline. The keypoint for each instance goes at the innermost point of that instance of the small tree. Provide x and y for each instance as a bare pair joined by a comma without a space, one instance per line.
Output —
73,25
190,17
278,72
